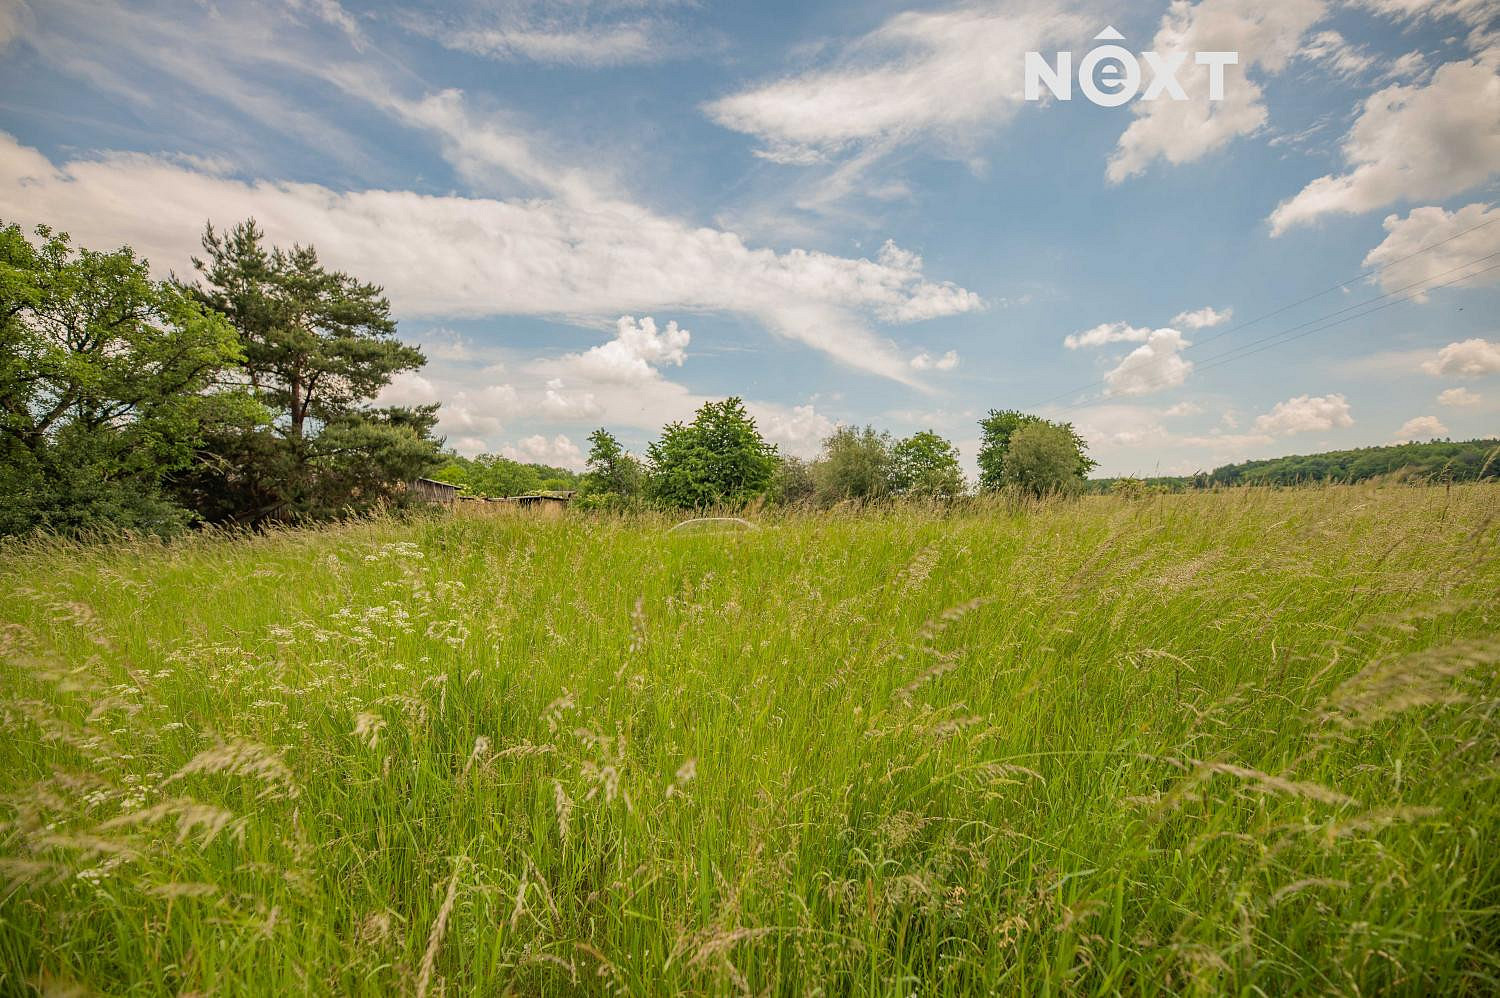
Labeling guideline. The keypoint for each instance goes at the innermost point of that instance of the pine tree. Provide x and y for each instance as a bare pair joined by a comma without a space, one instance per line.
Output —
319,345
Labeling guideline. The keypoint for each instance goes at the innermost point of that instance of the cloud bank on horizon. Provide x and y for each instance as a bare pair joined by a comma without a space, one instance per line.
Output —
601,214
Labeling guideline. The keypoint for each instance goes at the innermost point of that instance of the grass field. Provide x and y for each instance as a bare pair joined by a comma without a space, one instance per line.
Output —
1219,743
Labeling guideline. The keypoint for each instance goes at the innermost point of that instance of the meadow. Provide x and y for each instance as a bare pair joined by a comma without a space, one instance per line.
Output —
1235,742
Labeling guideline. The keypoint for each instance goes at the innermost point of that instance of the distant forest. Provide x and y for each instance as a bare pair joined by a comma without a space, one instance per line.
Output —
1437,461
492,475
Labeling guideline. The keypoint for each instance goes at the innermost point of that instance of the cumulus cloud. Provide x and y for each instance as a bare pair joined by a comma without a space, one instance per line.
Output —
1203,318
1107,332
798,431
1305,414
637,351
1152,367
1123,332
1411,142
1459,397
407,388
1457,239
1465,359
468,446
557,451
1420,428
1182,409
926,362
469,257
1266,35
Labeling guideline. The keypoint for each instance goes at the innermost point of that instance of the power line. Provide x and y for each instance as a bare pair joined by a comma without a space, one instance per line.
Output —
1343,284
1313,297
1368,301
1282,337
1226,358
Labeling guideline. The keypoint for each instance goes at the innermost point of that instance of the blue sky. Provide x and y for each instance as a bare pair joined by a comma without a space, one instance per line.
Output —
603,213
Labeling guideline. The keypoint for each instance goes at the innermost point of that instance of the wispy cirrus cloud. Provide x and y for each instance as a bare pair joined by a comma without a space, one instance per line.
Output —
587,33
449,256
935,79
556,240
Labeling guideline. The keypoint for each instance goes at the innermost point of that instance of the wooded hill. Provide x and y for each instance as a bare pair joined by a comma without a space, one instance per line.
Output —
1436,461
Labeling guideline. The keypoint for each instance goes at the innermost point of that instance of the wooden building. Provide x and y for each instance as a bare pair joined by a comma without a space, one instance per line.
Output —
432,490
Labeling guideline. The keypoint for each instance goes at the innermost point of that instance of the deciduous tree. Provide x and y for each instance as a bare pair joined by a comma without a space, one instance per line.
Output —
997,429
924,465
855,464
106,381
719,458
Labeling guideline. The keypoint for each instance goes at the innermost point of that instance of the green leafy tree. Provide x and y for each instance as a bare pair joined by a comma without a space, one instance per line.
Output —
793,482
719,458
106,385
494,475
610,469
319,345
855,464
996,431
924,465
1041,459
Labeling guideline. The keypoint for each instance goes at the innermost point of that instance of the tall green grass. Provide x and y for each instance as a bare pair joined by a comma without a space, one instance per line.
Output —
1240,742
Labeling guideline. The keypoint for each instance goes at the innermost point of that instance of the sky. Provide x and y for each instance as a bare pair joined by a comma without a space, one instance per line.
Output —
606,212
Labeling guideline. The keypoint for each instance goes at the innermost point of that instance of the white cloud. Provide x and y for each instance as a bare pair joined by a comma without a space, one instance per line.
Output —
557,451
926,362
1121,426
578,33
1410,142
1266,36
935,76
1305,414
1342,57
1151,367
1182,409
457,257
1404,267
333,13
467,416
407,388
1107,332
1466,359
1407,66
1203,318
1459,397
1472,11
469,446
798,431
579,251
582,46
556,403
1420,428
445,344
13,14
635,353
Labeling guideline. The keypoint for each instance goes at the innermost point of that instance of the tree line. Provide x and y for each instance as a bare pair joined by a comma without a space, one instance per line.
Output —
244,395
720,459
1434,461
